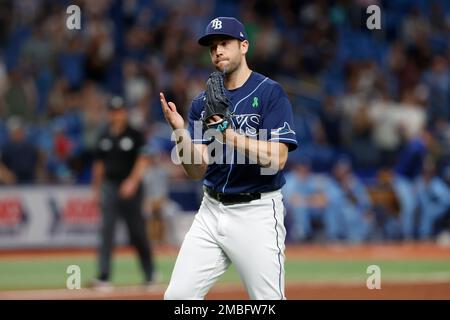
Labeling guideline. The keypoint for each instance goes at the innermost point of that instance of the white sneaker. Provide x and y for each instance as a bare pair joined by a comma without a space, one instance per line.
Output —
157,279
101,286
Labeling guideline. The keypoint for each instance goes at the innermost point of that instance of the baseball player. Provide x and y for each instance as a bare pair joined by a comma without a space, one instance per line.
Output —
241,217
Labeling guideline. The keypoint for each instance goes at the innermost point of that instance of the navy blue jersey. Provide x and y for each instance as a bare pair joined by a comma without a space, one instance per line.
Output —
260,103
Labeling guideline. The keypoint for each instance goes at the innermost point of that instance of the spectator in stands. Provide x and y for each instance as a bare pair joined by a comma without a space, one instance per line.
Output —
433,196
311,201
443,224
361,146
331,119
38,56
354,203
58,162
414,25
19,156
19,97
437,81
412,153
100,46
71,62
321,153
394,203
384,126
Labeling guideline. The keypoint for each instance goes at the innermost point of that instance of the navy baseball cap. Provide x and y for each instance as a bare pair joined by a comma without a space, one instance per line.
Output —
225,26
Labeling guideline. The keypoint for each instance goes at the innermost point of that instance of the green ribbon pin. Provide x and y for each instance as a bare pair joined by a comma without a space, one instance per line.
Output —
255,103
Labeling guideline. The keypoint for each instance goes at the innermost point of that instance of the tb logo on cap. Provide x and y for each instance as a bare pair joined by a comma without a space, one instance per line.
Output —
216,24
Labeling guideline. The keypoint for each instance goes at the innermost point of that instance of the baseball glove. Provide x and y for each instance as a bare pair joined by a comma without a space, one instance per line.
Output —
217,104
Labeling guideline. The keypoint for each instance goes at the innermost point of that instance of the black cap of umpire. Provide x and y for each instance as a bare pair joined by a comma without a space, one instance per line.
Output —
116,103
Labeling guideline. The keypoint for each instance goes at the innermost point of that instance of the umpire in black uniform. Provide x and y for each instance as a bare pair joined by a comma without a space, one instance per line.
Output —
119,165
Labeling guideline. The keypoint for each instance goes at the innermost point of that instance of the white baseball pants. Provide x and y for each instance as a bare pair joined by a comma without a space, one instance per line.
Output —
249,235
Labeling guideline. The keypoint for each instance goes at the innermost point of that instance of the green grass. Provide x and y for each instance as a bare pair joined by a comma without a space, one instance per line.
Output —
51,272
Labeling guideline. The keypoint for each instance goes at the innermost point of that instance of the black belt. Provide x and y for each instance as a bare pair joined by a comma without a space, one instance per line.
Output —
232,198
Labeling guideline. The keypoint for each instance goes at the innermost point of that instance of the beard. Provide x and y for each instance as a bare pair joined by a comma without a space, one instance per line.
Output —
230,68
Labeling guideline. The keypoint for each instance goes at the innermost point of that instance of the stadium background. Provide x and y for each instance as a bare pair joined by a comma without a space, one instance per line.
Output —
376,99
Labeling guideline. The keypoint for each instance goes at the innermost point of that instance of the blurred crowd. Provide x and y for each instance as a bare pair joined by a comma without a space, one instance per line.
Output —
371,107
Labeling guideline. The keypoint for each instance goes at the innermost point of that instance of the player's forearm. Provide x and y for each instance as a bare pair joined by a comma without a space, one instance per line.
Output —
191,158
265,153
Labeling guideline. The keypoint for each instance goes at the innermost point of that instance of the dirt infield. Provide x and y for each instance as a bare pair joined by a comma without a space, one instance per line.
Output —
297,291
403,290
